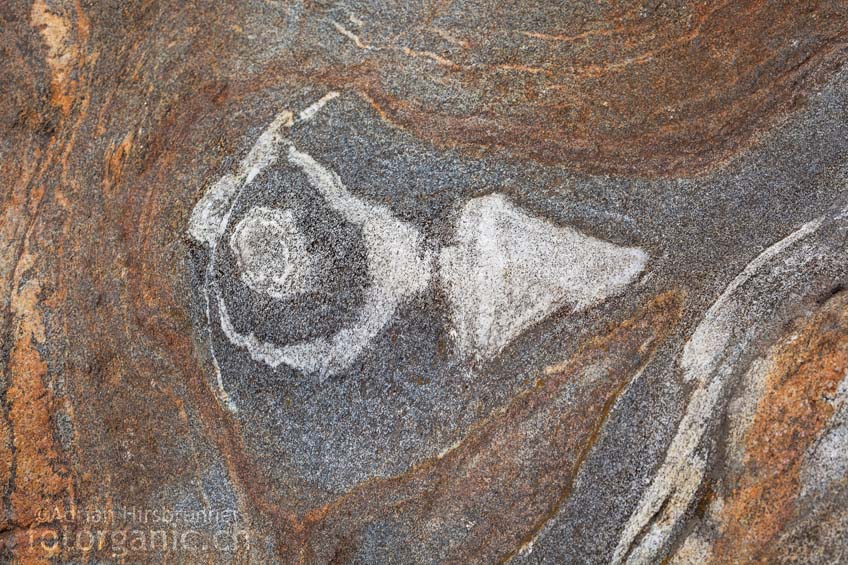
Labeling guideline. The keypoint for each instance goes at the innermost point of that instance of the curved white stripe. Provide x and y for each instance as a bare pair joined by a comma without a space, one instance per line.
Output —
709,358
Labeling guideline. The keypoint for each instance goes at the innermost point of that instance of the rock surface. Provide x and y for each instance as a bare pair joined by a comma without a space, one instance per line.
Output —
461,282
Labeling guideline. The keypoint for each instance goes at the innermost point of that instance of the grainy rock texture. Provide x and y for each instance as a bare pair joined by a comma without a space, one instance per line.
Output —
392,282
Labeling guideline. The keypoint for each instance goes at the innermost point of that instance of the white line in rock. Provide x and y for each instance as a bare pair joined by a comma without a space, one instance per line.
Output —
211,214
710,357
398,268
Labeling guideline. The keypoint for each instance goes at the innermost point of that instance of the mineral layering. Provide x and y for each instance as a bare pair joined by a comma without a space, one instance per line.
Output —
437,282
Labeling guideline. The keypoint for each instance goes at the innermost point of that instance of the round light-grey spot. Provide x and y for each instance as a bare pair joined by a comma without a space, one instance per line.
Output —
271,253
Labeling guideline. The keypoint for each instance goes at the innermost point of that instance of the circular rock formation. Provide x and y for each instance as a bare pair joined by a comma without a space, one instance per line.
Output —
271,253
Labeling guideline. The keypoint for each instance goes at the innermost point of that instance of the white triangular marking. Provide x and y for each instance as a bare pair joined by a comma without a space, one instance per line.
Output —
510,270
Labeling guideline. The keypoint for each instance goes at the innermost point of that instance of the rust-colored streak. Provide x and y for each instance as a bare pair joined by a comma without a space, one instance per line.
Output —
61,39
641,91
114,161
790,416
37,486
513,471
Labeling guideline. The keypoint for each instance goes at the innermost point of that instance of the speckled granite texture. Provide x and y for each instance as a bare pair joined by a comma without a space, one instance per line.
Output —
439,282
